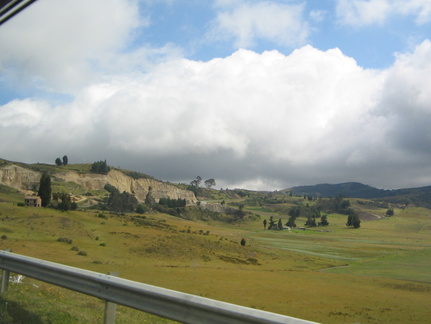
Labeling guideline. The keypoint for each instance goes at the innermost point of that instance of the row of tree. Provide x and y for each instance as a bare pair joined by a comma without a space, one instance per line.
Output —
208,183
59,162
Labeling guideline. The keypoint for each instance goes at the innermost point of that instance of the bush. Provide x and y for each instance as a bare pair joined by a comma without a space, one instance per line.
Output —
100,215
83,253
100,167
65,240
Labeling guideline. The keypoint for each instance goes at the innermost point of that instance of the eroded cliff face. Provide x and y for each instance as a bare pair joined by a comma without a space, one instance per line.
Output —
20,178
25,179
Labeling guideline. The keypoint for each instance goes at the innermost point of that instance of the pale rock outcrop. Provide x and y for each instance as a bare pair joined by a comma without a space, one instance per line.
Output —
14,176
25,179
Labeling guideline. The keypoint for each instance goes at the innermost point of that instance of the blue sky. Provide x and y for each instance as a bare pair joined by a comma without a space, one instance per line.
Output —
256,94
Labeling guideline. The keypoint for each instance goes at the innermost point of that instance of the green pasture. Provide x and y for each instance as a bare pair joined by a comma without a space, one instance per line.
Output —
378,273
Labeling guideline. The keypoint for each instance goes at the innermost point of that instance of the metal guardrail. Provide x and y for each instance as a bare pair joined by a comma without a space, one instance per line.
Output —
174,305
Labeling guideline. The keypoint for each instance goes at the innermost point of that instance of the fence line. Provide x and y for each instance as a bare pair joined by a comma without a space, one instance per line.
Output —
174,305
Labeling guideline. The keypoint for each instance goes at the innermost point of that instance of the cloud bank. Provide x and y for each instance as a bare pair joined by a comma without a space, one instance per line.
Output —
265,121
254,120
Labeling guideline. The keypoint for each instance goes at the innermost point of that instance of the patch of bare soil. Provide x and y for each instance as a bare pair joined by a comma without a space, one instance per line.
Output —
368,217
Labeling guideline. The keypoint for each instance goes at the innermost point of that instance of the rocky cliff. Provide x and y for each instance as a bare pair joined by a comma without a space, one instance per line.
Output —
21,178
14,176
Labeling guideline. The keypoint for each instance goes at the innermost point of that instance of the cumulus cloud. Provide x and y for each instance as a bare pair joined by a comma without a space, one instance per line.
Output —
245,22
70,54
261,121
369,12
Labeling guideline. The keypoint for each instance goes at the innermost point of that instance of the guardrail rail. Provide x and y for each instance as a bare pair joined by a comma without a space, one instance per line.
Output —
171,304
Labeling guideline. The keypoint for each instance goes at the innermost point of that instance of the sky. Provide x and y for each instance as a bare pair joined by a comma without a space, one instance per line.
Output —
260,95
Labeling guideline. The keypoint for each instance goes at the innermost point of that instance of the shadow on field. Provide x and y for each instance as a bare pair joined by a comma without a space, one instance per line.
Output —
12,313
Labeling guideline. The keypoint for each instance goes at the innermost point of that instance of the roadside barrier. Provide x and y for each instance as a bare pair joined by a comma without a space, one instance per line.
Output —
171,304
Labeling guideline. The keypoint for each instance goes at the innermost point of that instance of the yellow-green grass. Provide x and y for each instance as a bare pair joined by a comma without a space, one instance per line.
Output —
278,271
8,194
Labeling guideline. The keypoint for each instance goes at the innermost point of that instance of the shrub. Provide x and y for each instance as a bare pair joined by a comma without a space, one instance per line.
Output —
65,240
100,215
83,253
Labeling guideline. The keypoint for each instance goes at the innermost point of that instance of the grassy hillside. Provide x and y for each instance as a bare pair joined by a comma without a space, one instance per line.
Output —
414,196
379,273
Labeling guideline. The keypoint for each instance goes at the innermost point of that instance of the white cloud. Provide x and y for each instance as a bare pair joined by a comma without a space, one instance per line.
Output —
318,15
362,12
61,44
246,22
419,8
259,120
369,12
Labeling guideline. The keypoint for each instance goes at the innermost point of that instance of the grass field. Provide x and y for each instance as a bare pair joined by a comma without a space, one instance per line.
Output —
379,273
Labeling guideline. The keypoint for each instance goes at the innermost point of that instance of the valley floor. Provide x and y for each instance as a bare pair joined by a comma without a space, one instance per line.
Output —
380,273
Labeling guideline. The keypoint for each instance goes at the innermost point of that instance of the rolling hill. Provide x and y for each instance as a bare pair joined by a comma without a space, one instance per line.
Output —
420,196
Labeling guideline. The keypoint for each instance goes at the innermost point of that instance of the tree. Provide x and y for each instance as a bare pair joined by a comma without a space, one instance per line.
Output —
210,183
45,189
353,219
65,160
272,223
243,242
241,206
323,221
124,202
311,221
141,209
110,188
196,182
280,224
264,224
390,212
64,200
58,161
100,167
291,222
149,199
356,222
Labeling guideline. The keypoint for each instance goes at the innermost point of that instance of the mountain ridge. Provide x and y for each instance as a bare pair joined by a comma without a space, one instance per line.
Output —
420,196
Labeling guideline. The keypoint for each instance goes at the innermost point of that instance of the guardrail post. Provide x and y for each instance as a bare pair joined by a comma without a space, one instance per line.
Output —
4,281
110,308
5,278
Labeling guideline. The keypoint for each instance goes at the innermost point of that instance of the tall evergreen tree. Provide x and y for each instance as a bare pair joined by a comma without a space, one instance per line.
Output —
280,224
45,189
65,160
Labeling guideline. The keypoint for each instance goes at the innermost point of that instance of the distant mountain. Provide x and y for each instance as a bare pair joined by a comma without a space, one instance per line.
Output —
347,189
418,196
